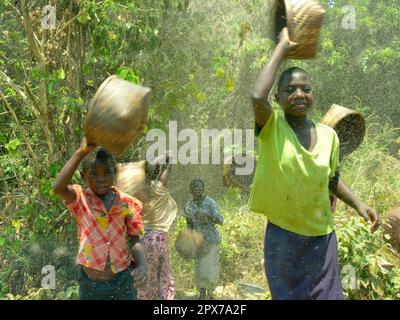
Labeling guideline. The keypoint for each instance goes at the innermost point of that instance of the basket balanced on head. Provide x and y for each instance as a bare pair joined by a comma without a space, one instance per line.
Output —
349,126
303,18
117,114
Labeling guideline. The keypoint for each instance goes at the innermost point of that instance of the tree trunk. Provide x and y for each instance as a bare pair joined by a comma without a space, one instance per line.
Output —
45,111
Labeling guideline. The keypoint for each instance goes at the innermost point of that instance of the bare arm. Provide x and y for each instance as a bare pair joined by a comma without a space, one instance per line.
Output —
165,170
266,79
140,273
344,193
63,180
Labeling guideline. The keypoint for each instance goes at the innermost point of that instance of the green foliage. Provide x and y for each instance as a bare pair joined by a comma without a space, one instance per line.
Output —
201,61
372,258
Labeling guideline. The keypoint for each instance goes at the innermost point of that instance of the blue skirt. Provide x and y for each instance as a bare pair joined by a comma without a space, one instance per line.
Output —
300,267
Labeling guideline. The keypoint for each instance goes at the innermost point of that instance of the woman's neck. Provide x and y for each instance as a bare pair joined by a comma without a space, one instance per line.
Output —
199,200
298,122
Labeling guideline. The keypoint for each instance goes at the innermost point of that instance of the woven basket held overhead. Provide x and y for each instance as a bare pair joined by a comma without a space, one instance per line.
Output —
117,114
349,126
303,18
231,179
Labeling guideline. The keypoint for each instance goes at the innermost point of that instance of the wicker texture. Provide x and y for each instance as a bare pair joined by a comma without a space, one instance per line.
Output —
303,18
231,179
117,114
349,126
189,243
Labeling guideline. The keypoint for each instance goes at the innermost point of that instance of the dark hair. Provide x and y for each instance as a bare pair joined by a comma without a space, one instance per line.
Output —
289,72
152,170
100,154
195,181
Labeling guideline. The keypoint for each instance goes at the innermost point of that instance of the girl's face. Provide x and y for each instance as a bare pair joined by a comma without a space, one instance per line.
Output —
296,95
100,177
197,190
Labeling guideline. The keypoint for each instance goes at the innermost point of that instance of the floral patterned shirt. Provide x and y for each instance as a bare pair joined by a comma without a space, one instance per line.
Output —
203,218
102,233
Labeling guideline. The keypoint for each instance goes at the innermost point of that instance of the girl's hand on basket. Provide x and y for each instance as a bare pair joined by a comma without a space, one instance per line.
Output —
86,147
285,40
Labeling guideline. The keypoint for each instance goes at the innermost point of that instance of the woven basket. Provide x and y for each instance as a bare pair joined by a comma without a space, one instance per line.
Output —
189,243
349,126
231,179
391,226
117,114
131,179
303,18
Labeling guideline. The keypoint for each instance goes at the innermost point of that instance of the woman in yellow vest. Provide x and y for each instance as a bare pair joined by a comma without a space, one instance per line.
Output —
297,167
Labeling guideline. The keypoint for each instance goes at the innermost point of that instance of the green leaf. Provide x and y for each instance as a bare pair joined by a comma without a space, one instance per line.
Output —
132,7
16,224
220,73
123,73
60,74
13,145
230,85
84,18
3,241
200,96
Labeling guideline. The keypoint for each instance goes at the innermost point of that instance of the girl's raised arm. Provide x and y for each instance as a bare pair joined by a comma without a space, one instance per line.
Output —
63,180
165,170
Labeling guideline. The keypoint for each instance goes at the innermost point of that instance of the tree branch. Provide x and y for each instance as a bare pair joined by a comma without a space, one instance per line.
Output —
32,41
35,111
24,136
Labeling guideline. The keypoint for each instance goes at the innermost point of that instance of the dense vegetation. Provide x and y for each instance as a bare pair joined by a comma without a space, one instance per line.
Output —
201,59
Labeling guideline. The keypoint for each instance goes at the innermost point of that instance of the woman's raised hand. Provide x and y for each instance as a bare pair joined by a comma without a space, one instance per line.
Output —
284,38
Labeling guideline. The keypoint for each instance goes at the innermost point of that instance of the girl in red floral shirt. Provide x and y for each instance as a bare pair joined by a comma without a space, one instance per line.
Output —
105,216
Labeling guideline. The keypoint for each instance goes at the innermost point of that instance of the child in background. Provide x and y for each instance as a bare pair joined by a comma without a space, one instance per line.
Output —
202,213
159,212
105,216
297,167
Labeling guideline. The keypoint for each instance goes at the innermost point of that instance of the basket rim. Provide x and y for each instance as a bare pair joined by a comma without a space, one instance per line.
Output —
288,16
101,89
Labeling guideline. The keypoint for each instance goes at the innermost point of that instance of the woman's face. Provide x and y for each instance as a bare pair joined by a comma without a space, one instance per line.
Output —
197,190
296,95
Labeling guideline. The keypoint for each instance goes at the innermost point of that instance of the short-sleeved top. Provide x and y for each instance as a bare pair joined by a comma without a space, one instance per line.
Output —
102,234
203,218
160,210
291,184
